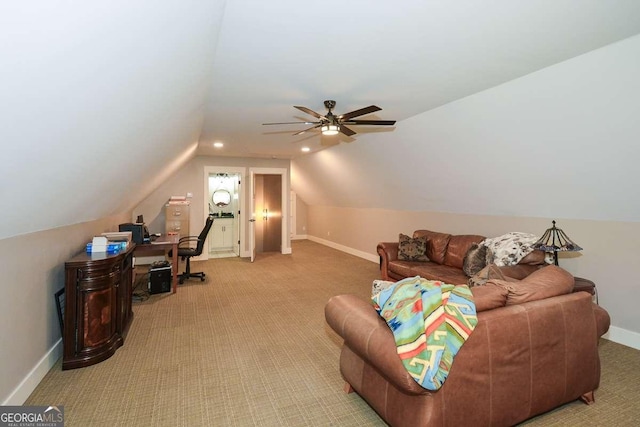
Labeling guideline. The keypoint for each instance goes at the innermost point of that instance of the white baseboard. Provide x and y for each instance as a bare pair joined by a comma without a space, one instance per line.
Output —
360,254
31,381
299,237
624,337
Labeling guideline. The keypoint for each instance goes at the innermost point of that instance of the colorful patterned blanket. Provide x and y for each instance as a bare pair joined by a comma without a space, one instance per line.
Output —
430,321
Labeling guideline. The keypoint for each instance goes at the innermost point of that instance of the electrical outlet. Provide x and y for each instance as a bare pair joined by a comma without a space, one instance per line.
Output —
328,233
304,228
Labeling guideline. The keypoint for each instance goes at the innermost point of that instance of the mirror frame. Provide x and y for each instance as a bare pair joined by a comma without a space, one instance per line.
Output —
221,198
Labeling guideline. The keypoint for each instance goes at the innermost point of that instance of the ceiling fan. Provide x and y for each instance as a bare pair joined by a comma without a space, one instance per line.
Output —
330,124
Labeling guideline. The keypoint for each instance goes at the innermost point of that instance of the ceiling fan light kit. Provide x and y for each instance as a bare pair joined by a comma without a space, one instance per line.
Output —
329,130
330,124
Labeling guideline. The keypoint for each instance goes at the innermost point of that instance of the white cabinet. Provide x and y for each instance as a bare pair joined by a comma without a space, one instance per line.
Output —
221,237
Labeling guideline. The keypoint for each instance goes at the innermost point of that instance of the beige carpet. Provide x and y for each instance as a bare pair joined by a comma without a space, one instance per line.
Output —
250,347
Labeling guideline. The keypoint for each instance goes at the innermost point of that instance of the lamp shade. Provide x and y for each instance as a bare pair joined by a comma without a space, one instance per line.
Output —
555,240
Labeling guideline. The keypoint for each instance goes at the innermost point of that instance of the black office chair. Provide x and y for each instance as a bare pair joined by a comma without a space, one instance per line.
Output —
186,250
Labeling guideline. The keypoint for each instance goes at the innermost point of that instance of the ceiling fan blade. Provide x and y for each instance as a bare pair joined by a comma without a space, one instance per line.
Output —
360,112
372,122
306,130
345,130
308,111
292,123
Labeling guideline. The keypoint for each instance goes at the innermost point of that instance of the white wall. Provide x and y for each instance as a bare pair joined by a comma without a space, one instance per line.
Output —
561,144
190,178
32,268
98,98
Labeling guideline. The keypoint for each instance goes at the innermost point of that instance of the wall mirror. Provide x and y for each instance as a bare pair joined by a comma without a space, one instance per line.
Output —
221,198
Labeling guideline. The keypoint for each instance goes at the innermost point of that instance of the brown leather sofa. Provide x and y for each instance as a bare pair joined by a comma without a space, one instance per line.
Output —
446,254
522,359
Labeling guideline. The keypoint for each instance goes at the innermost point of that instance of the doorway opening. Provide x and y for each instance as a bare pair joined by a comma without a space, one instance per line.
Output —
223,199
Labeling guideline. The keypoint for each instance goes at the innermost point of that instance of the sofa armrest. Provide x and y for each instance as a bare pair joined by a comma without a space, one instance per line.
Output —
388,251
367,335
603,321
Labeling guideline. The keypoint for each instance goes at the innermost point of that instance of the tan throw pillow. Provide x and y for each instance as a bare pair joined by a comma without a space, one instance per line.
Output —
533,258
547,282
491,271
412,249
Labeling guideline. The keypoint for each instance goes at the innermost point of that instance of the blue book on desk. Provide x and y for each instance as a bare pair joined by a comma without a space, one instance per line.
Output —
111,248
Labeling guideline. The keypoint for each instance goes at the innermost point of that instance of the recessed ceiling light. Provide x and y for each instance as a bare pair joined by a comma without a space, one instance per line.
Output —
218,144
306,149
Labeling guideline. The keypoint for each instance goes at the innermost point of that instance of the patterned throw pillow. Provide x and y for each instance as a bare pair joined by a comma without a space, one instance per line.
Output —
412,249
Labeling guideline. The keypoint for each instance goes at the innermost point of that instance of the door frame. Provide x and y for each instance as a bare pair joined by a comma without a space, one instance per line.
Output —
208,170
285,246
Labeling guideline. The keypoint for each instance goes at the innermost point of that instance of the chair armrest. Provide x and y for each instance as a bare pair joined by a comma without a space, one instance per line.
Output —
187,240
388,251
367,335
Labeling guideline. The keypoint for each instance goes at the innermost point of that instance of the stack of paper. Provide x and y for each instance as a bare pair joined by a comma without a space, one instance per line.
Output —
119,236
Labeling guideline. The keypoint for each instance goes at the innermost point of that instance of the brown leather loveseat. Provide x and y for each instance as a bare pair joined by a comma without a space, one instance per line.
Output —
535,347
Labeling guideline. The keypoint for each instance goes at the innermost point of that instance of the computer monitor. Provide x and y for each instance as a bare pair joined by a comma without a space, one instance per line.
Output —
137,231
140,220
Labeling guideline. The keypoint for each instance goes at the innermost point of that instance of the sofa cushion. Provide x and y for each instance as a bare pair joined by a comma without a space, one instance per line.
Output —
489,297
405,268
443,273
547,282
412,249
458,247
518,271
436,244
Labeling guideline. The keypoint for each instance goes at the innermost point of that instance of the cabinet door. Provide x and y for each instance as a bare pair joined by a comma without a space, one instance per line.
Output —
222,235
216,236
227,235
97,310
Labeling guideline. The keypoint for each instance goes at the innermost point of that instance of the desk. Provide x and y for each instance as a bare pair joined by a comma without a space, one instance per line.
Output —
166,243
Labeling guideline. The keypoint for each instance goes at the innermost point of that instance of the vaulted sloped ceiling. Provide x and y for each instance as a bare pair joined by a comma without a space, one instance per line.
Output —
406,57
102,101
558,143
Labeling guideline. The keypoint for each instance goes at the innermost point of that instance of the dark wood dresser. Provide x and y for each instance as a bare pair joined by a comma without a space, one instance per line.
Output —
98,291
